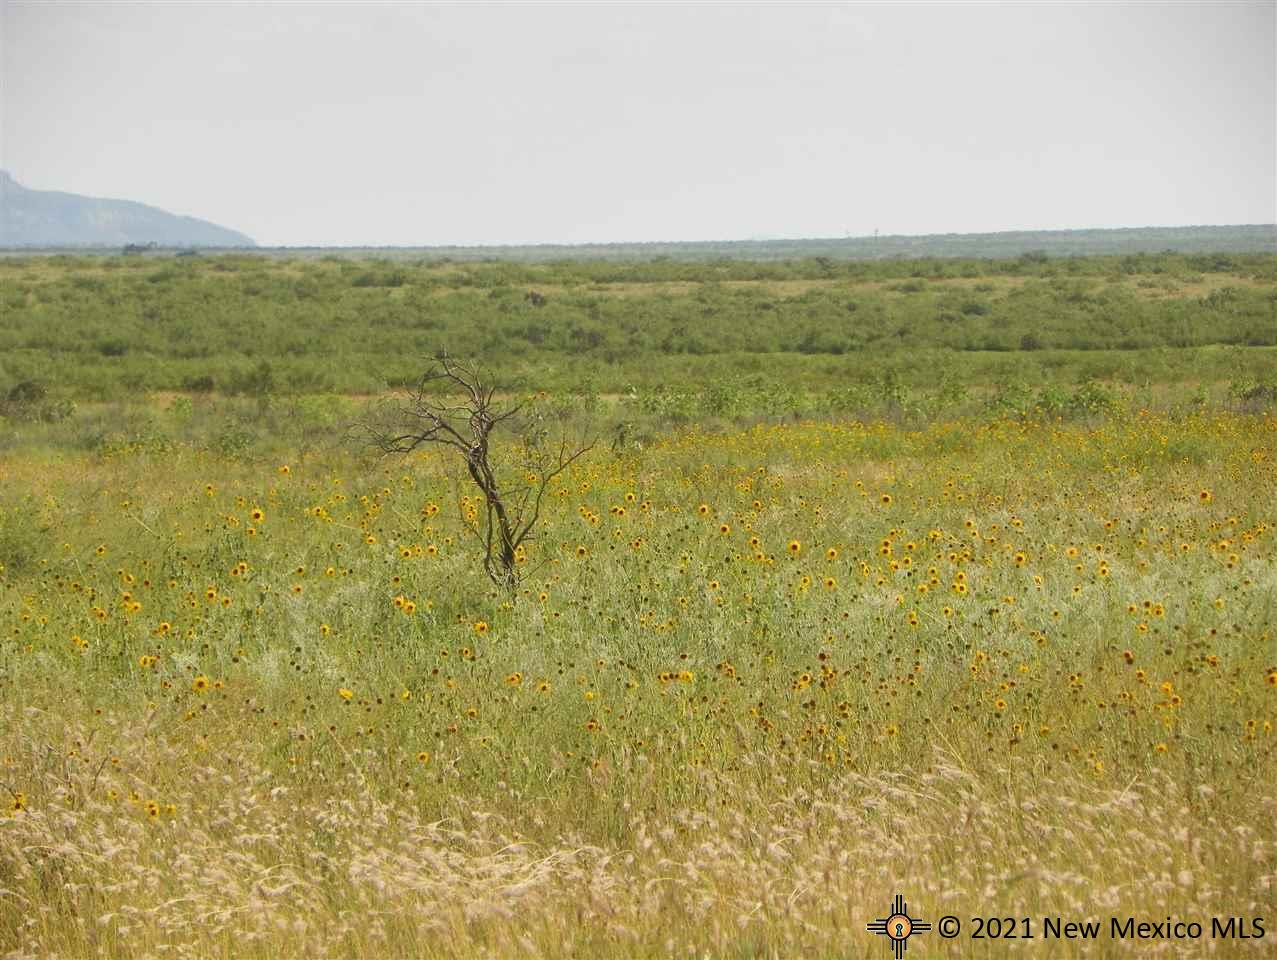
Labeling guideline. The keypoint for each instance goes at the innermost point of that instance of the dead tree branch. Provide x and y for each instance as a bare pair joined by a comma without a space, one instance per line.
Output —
455,406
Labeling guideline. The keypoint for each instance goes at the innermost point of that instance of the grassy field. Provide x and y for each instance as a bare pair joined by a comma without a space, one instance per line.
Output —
766,667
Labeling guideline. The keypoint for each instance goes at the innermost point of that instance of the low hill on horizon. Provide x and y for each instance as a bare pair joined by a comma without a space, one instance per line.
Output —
54,222
49,218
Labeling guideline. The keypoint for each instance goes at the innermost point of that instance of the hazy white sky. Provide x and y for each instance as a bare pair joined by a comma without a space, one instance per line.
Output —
469,124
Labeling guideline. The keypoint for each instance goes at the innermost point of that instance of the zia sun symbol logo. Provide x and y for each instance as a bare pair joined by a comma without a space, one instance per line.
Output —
898,927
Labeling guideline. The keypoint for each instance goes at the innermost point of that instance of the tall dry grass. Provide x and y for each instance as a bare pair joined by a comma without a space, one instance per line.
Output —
765,862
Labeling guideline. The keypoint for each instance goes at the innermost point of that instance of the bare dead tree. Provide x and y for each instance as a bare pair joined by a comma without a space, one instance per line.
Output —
454,405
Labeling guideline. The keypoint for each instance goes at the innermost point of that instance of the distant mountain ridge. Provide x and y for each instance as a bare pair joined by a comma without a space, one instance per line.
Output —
49,218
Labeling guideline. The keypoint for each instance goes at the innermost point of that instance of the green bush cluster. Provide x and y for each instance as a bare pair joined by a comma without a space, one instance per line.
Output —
1089,399
257,327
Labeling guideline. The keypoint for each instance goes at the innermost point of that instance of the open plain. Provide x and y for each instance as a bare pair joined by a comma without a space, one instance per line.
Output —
955,579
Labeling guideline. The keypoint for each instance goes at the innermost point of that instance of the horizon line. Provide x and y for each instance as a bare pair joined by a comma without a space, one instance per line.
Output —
845,238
